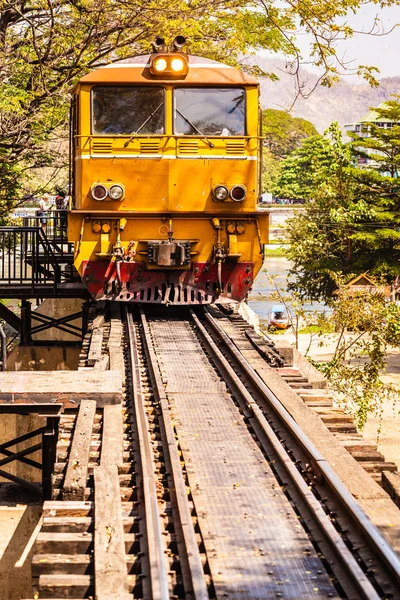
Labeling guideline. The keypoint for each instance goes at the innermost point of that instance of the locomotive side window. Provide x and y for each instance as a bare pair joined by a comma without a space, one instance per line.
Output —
127,110
209,111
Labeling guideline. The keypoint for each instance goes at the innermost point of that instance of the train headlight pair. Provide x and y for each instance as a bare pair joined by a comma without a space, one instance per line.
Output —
237,193
101,192
169,65
177,65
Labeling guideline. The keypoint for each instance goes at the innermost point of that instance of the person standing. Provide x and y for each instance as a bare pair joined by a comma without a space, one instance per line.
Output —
61,216
43,208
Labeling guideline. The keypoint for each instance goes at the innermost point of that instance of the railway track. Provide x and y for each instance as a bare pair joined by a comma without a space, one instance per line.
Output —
200,485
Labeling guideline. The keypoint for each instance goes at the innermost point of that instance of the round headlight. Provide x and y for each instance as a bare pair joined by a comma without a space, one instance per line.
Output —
220,192
238,193
160,64
116,192
99,192
177,64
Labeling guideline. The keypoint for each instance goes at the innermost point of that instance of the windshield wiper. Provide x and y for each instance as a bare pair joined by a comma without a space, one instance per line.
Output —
195,128
143,125
238,105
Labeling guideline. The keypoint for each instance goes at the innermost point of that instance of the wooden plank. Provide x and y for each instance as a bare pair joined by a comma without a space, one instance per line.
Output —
112,440
51,564
66,387
115,351
111,581
66,543
65,586
96,346
116,359
68,564
81,524
391,483
77,467
102,364
378,467
98,321
52,508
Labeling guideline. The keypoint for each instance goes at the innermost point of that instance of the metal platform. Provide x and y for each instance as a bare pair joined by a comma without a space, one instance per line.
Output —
36,260
253,553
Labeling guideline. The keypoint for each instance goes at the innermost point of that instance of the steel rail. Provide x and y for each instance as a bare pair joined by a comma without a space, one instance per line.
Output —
197,588
155,546
357,581
372,536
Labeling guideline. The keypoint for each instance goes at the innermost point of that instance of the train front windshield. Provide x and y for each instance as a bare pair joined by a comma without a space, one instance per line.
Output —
209,111
128,110
140,110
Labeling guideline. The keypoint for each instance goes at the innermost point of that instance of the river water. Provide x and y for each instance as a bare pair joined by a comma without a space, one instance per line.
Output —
260,296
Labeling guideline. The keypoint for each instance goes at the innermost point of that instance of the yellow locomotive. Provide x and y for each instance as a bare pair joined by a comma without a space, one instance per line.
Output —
166,155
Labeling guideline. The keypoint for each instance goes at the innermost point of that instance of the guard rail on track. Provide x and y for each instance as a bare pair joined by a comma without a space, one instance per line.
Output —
371,536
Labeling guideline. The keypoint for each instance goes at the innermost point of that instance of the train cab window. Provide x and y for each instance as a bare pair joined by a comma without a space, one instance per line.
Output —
209,111
127,110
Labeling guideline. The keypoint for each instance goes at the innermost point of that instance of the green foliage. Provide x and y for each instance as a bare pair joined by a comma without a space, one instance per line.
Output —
382,146
350,222
46,45
354,372
305,168
365,325
284,133
270,171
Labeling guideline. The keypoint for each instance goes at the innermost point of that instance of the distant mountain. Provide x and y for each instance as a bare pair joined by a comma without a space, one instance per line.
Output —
344,102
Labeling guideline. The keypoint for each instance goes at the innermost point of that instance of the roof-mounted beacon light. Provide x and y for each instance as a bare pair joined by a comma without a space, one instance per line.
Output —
179,42
169,65
158,44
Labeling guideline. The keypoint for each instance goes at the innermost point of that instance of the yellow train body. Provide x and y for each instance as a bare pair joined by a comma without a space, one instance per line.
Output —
167,238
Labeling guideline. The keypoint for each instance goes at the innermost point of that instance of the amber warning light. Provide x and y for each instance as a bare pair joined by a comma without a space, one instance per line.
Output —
169,65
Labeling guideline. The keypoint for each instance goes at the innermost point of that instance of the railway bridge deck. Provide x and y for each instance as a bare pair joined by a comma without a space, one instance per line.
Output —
191,462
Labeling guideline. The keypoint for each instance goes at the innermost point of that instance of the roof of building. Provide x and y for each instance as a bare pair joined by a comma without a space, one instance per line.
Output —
372,116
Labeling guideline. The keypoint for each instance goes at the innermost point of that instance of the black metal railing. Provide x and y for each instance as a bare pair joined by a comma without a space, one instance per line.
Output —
28,258
3,349
54,224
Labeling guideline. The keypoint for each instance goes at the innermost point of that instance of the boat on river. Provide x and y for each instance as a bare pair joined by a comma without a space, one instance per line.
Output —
278,317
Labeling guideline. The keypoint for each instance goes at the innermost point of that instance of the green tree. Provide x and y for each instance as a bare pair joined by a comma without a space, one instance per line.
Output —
305,168
367,325
349,224
46,45
284,133
382,146
270,171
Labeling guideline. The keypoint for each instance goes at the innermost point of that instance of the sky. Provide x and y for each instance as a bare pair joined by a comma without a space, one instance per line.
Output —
380,51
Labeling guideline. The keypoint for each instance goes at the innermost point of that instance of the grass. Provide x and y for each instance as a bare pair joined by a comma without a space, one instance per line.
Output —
264,328
275,251
318,329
